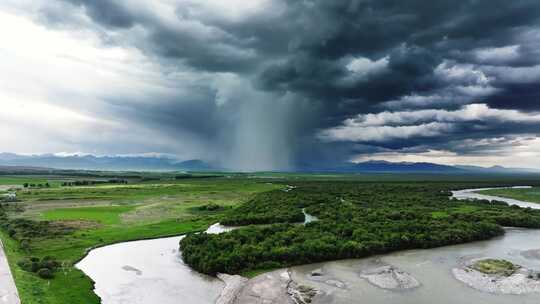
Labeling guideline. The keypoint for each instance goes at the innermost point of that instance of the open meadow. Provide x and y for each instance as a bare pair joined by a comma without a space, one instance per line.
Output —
64,222
56,220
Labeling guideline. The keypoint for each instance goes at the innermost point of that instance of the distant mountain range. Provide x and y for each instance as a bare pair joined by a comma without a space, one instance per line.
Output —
90,162
163,163
381,166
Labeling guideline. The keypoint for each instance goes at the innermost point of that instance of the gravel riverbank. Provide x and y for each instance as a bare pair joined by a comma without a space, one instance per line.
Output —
233,286
390,277
523,281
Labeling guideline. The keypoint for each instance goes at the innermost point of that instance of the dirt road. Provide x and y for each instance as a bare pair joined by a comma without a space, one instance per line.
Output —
8,290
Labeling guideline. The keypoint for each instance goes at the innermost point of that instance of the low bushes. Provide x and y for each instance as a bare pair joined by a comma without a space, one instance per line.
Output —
44,267
23,229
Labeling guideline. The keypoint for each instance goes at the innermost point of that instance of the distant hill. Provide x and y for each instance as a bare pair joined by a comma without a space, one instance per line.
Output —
384,166
90,162
162,163
23,170
498,169
381,166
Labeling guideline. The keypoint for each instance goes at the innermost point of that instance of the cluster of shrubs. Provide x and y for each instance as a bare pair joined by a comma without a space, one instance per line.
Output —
23,229
187,175
270,207
93,182
44,267
355,220
28,185
210,207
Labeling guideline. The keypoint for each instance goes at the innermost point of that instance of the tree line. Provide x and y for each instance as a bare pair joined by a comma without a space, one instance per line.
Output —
355,220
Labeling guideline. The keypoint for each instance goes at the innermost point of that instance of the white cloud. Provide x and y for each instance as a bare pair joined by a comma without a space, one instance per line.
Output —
516,153
514,75
453,95
384,133
498,54
461,74
231,10
362,67
55,88
386,126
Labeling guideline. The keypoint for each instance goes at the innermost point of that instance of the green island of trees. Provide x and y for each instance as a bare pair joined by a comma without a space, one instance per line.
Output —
355,220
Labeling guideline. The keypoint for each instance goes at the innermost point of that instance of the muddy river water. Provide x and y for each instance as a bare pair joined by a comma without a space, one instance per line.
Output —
151,272
432,268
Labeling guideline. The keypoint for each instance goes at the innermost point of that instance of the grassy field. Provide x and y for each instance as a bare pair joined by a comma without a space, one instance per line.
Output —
148,207
523,194
107,214
20,180
495,267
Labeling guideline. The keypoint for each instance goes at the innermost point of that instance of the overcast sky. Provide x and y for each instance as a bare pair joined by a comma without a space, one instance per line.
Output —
274,84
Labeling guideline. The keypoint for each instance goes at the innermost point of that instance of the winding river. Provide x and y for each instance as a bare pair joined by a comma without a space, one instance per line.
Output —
472,194
151,271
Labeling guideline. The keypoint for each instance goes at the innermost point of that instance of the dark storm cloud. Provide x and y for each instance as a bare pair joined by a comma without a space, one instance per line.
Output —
346,58
109,13
188,41
195,114
417,35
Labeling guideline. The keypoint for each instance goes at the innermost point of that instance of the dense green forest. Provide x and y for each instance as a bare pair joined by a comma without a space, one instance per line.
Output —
355,220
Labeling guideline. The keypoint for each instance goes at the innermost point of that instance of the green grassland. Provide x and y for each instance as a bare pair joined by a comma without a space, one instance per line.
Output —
20,180
65,222
81,218
523,194
106,215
